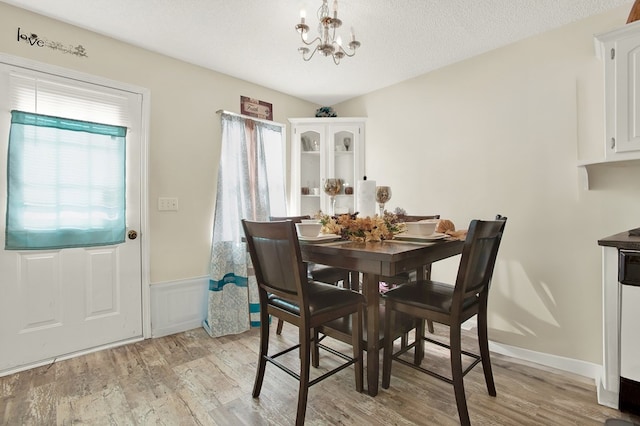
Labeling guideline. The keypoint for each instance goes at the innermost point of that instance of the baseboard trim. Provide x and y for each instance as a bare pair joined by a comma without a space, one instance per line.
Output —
178,306
582,368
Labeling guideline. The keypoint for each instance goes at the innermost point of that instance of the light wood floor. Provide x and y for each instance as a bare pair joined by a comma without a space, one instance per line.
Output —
192,379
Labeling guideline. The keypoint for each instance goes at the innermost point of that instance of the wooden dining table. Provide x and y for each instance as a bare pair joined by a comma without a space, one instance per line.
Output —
373,260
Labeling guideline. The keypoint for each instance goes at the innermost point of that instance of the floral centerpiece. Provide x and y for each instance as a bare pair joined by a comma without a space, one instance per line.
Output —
362,229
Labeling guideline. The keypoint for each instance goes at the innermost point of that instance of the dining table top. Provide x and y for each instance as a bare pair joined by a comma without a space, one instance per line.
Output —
375,260
387,257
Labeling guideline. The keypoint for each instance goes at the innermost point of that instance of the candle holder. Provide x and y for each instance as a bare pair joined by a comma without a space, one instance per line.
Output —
332,188
383,195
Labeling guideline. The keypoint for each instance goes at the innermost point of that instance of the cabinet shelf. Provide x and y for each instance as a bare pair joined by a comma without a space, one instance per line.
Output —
316,196
584,167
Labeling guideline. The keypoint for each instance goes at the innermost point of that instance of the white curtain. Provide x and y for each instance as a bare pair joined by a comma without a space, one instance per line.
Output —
251,185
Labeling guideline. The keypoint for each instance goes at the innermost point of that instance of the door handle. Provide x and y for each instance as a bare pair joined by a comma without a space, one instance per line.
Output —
132,235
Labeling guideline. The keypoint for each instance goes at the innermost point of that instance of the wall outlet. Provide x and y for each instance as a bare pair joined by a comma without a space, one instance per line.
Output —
168,204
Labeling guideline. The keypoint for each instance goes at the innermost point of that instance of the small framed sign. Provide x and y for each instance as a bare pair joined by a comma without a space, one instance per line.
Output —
256,108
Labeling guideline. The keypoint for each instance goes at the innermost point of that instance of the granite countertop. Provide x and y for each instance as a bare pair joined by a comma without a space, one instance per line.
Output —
621,241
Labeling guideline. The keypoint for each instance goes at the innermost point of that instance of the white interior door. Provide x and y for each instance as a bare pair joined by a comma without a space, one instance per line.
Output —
57,302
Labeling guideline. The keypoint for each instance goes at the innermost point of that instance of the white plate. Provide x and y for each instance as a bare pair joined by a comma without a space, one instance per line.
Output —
324,237
432,237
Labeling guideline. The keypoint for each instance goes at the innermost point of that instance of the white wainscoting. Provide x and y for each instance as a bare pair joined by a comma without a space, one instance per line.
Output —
178,306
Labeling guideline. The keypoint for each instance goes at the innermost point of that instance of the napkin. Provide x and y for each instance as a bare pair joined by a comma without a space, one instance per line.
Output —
458,235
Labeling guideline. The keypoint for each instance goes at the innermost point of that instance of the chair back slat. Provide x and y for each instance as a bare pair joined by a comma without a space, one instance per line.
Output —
478,260
277,269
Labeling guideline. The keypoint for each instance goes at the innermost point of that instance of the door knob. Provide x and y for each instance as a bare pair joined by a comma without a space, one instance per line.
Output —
132,235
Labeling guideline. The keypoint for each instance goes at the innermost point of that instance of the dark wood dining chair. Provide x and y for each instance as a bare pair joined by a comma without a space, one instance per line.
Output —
405,277
450,305
286,293
321,273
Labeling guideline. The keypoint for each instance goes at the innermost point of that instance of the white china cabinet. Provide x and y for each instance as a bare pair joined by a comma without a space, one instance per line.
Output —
324,148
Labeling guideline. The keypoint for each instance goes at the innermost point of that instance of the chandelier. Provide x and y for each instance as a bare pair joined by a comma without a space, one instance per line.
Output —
326,42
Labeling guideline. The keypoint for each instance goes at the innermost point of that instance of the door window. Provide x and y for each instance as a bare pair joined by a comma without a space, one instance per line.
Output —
66,183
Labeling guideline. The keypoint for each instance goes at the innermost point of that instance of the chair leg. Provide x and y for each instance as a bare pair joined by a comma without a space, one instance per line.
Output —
404,340
303,391
418,354
315,350
356,342
483,341
279,327
387,353
264,348
456,373
427,276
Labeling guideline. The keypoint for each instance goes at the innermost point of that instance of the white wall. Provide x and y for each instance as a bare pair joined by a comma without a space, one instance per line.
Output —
185,130
502,133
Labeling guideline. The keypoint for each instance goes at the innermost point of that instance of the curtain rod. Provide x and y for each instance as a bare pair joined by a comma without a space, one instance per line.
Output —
273,123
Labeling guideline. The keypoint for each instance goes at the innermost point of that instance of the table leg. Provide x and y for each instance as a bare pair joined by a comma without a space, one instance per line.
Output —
372,295
422,273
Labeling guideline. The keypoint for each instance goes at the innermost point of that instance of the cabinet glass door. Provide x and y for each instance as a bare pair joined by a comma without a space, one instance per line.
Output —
343,146
310,176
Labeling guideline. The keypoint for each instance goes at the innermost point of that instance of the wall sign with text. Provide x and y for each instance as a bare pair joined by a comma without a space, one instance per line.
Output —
35,40
256,108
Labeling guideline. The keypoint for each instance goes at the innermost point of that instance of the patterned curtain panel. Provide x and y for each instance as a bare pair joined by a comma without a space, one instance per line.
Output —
251,185
66,183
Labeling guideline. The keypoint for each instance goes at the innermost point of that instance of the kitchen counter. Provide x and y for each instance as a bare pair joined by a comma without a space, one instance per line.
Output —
619,386
621,241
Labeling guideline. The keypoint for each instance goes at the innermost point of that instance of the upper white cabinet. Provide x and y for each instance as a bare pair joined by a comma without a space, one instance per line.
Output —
620,51
324,148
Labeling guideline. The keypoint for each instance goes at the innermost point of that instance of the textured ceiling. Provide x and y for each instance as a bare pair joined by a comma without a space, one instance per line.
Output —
255,40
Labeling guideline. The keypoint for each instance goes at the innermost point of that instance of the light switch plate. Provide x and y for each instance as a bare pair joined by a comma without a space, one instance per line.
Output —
168,204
